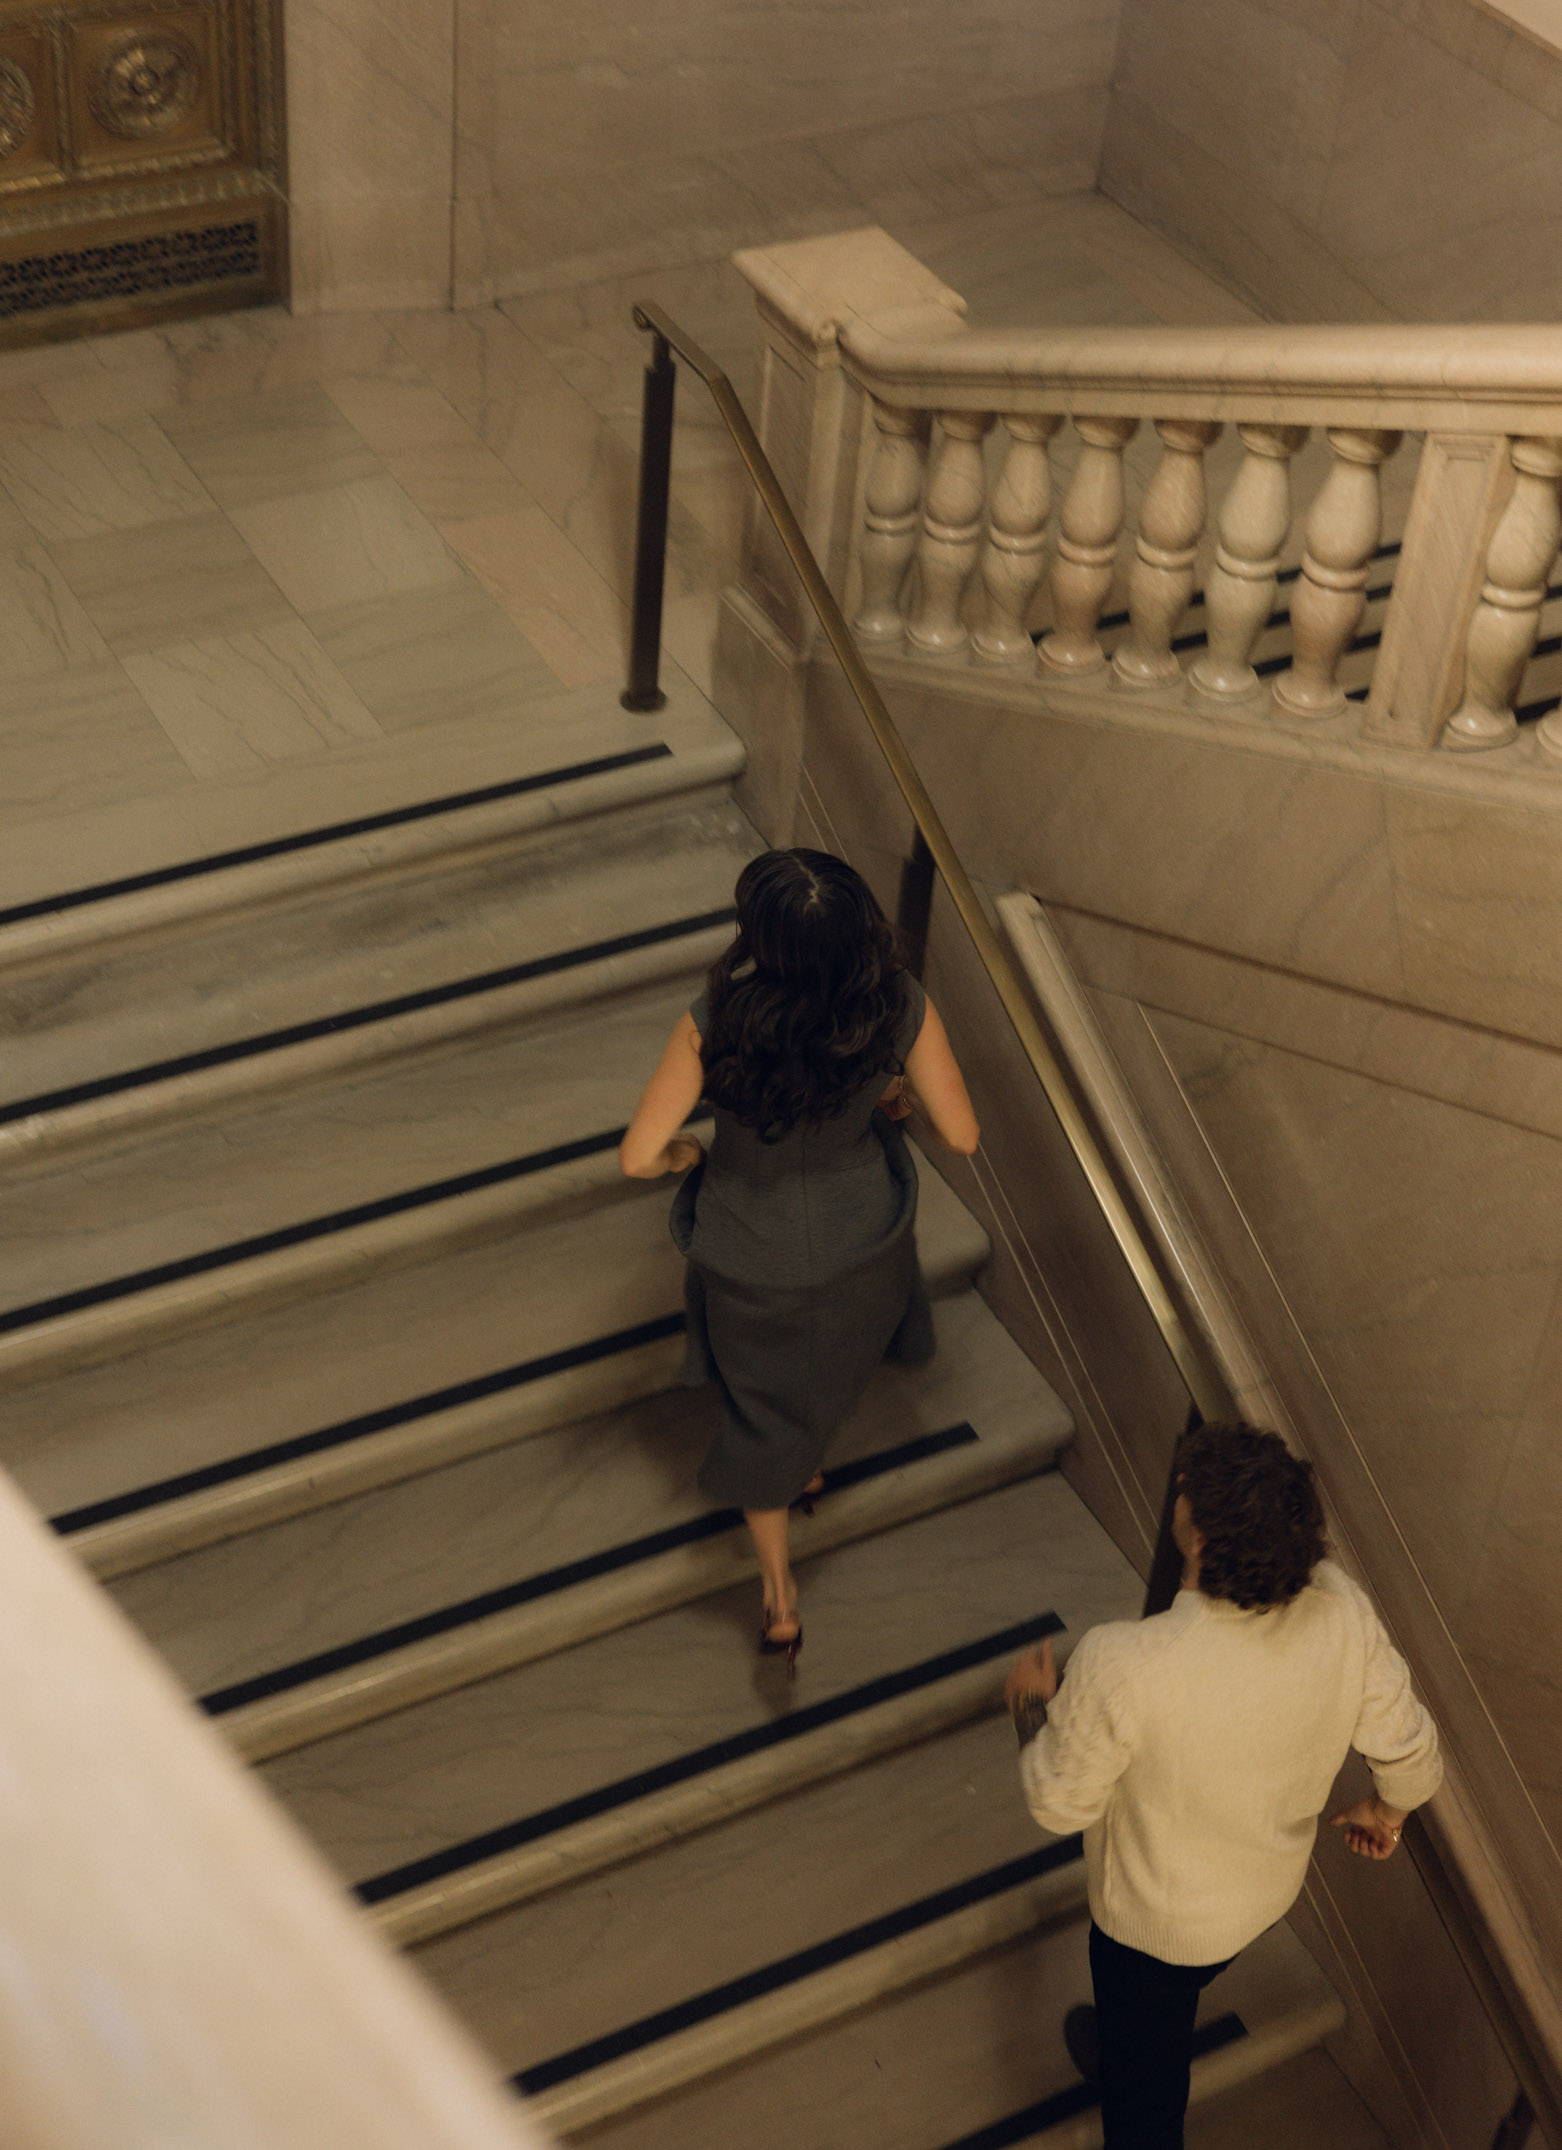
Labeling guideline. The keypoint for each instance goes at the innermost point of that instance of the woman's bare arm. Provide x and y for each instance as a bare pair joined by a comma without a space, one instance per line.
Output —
934,1075
652,1142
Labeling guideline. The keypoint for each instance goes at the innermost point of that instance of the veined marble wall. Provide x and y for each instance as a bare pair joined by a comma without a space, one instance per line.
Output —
1334,995
1350,159
485,148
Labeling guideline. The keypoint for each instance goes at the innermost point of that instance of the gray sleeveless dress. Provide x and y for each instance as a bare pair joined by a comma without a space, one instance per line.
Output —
802,1276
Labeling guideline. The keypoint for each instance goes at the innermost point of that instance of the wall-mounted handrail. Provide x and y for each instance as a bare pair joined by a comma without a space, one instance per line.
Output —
1187,1349
1195,1362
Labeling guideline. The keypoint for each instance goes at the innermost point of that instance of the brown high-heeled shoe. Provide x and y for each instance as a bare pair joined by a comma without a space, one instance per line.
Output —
779,1645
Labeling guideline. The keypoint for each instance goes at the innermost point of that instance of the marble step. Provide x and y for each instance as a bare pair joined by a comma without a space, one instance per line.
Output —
702,1789
772,2003
131,1037
631,1580
318,1582
384,1034
114,1230
318,1255
615,1264
544,1985
975,2060
404,806
585,1736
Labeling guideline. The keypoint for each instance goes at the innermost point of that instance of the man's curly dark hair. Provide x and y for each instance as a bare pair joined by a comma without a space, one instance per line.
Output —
1257,1510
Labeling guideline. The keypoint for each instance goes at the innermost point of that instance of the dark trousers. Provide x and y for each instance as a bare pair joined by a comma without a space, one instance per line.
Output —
1144,2018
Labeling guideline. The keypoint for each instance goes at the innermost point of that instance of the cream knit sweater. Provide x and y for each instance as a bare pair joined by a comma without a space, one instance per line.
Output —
1196,1751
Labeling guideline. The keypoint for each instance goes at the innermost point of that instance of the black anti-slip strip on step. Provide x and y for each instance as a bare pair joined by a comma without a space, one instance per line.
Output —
297,1235
736,1748
823,1956
453,802
551,1580
347,1430
376,1011
1032,2120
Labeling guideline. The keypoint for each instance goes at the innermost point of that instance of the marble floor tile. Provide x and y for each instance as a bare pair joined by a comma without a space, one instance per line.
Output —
481,363
427,446
169,582
271,445
429,657
81,738
22,407
78,482
548,588
43,626
347,544
99,395
240,701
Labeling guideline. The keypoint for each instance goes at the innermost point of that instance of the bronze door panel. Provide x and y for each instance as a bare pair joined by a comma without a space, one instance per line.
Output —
140,161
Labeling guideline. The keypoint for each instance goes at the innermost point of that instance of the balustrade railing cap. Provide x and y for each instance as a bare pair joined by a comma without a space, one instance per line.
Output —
1465,378
820,286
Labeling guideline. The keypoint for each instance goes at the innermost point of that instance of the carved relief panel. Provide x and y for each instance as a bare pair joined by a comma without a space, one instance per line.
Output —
140,161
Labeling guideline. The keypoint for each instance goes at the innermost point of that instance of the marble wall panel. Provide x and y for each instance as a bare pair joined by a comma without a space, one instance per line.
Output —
457,149
1375,159
625,134
371,114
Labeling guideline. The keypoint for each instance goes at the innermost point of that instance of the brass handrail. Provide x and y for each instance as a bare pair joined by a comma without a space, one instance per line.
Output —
1188,1352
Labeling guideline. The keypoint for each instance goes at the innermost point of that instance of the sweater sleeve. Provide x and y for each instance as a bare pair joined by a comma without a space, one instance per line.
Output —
1069,1768
1394,1731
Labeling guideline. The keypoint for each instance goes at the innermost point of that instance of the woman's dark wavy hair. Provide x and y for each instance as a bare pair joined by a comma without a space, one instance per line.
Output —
1257,1510
806,1003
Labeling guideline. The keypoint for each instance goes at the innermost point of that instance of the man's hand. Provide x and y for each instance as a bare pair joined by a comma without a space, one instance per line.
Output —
1031,1685
1034,1673
1371,1827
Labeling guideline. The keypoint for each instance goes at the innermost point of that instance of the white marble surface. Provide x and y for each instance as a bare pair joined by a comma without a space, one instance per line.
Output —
1388,160
106,1013
322,1579
552,1730
206,1185
364,472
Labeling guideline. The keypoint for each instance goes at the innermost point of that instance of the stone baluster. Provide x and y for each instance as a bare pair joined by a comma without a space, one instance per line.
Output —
1171,522
951,535
1016,537
1089,526
1519,561
889,538
1251,533
1330,596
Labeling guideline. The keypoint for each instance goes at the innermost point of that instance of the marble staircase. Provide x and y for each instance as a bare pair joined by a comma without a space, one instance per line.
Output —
335,1345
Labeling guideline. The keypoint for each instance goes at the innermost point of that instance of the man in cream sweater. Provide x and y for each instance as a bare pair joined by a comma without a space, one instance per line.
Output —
1196,1751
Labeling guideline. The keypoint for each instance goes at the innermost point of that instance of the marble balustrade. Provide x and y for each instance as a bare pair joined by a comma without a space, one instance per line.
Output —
999,524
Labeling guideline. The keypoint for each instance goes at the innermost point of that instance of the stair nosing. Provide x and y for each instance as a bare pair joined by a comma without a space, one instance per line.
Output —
527,1632
149,903
134,1314
1047,1886
701,1789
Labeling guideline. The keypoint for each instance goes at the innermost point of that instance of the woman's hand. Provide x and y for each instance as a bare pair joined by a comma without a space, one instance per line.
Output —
1371,1827
898,1101
654,1141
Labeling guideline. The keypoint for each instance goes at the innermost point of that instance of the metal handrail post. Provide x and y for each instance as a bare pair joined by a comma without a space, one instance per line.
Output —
656,461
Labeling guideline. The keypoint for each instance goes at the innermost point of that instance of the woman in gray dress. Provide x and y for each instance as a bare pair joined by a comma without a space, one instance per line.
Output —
810,1042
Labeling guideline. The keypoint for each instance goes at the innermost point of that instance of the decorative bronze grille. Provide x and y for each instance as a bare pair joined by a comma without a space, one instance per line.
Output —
131,268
